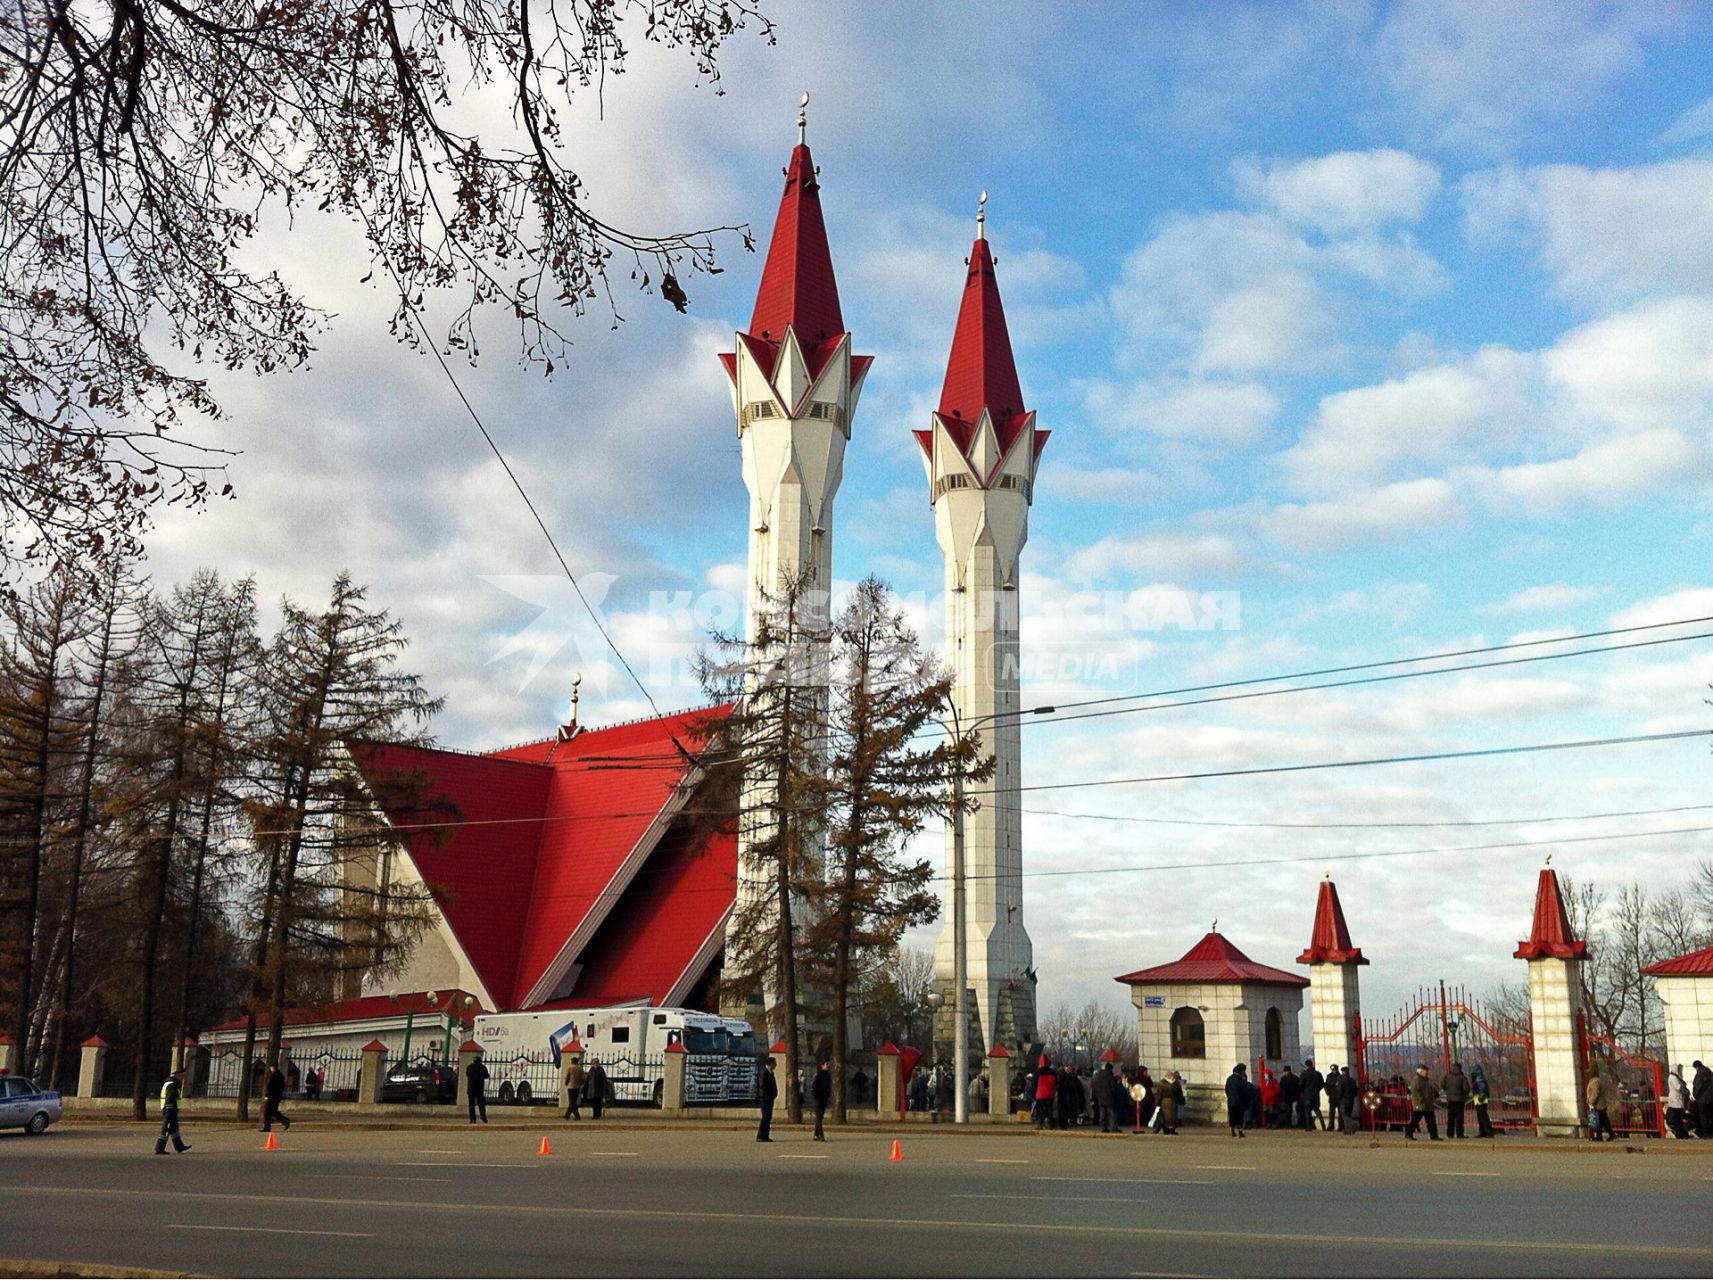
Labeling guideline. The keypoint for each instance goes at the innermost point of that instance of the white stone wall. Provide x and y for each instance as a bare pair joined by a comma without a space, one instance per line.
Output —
1688,1005
1334,1002
1234,1018
1555,995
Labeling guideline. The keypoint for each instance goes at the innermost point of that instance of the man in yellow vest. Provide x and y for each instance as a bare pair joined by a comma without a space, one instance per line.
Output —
171,1091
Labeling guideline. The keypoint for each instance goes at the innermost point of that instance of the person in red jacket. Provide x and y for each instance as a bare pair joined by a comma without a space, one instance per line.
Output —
1046,1089
1269,1094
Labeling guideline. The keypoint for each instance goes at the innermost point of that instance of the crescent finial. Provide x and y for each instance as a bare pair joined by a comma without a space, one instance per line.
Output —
981,216
803,116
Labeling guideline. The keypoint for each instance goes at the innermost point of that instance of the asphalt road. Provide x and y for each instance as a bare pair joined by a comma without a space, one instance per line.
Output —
678,1201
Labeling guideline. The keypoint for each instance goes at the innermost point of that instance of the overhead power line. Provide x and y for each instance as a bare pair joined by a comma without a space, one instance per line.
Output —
1536,821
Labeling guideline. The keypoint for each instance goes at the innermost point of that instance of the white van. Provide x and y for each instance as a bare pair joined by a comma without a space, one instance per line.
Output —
524,1051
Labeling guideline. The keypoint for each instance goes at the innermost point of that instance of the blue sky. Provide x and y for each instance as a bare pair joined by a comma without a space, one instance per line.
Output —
1397,320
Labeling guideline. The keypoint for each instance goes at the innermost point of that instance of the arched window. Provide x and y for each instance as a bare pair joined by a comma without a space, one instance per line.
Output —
1189,1035
1275,1034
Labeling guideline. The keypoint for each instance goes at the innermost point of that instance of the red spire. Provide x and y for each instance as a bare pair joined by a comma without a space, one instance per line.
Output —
797,285
1331,941
981,372
1551,936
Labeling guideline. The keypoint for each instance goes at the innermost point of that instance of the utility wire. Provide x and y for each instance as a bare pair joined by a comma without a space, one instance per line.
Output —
1367,826
428,341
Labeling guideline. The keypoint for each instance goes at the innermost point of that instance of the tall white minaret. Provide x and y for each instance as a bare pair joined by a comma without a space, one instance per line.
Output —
981,451
794,389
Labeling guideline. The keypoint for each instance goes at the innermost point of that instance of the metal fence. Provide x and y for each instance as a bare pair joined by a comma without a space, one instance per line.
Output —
524,1078
220,1071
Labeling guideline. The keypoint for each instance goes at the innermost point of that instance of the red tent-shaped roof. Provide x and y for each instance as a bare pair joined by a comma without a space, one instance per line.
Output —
531,851
1551,936
1693,964
1330,943
1213,959
797,284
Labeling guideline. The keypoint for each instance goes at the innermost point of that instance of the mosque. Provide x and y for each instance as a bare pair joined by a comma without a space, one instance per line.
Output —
569,881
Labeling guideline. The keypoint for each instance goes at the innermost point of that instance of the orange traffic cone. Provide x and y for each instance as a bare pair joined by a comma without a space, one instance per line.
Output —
897,1151
270,1144
546,1149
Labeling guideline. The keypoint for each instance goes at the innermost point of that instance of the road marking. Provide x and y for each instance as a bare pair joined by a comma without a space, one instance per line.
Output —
1181,1275
1461,1173
487,1212
460,1164
1023,1195
1176,1182
613,1153
439,1151
805,1157
1245,1168
378,1177
272,1231
981,1161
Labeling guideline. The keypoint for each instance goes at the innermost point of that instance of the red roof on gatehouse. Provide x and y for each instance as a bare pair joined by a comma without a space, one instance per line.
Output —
1692,964
1213,959
1551,937
1330,942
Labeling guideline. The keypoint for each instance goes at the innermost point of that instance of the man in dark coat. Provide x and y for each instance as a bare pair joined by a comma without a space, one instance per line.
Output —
1347,1092
769,1091
1106,1098
595,1087
1237,1099
1290,1094
476,1088
1456,1087
1701,1094
1310,1083
822,1091
273,1095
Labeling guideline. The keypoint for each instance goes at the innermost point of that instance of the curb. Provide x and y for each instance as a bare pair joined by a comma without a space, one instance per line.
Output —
37,1267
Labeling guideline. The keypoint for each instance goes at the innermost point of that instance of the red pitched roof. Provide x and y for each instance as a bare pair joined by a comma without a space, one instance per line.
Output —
546,838
982,372
797,284
1213,959
1330,943
364,1007
1693,964
1551,936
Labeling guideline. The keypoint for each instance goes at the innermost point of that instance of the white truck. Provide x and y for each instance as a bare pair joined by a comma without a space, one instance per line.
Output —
524,1052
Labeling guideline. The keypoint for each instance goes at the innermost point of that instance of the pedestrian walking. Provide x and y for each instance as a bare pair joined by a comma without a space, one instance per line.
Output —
1332,1103
1599,1096
1106,1098
769,1091
1421,1106
476,1088
171,1092
571,1078
1171,1096
273,1094
1455,1086
821,1089
596,1091
1701,1094
1311,1082
1046,1089
1677,1103
1237,1100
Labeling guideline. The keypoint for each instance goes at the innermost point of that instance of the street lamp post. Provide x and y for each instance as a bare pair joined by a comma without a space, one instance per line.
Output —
960,944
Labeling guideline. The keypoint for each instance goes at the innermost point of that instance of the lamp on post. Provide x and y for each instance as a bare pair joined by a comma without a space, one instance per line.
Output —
960,944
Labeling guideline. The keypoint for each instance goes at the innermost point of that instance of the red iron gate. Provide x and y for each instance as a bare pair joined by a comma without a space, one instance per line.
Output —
1440,1027
1637,1083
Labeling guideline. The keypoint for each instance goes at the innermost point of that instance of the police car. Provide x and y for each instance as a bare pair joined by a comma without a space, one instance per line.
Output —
23,1106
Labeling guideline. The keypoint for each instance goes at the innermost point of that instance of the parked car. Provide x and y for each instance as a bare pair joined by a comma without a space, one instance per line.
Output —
23,1106
413,1082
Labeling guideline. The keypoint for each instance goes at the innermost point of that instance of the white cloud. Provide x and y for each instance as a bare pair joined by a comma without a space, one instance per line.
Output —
1098,484
1232,413
1389,512
1690,602
1345,191
1647,368
1606,235
1694,125
1477,74
1627,467
1159,555
1552,595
